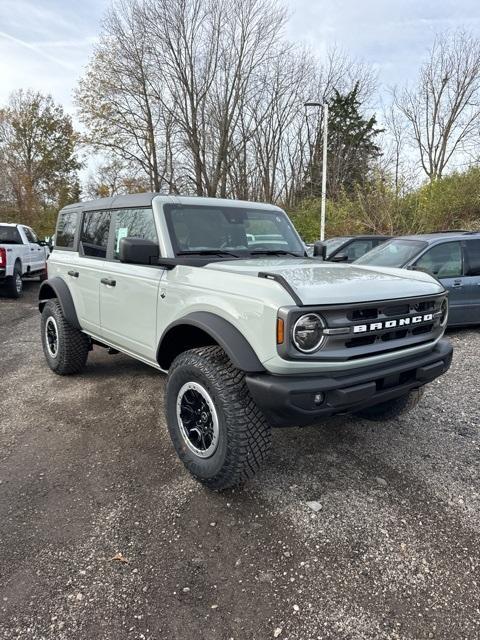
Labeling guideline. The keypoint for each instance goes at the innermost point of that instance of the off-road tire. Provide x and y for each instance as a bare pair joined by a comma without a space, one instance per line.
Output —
73,345
393,408
11,282
244,435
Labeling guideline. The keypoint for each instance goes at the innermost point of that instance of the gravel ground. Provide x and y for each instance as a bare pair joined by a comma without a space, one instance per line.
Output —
104,535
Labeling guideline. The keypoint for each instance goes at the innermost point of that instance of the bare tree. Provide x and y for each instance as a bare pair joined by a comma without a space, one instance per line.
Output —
443,110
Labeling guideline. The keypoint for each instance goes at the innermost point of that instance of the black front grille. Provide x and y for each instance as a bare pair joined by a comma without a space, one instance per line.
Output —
369,329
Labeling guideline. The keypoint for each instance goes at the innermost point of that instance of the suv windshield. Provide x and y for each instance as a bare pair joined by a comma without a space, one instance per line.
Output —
9,235
395,253
231,231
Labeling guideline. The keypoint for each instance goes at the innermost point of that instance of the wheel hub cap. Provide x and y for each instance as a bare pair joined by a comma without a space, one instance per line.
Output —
51,336
197,419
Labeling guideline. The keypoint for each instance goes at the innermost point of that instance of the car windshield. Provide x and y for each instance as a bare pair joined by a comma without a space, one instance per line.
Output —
332,244
395,253
9,235
231,231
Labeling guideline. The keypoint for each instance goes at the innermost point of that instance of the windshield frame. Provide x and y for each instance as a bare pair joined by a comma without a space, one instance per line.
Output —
253,252
420,244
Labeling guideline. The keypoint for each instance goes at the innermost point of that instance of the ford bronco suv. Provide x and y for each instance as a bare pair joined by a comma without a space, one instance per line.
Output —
252,333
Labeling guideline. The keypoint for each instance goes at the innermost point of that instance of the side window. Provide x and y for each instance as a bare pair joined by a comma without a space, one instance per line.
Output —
66,226
134,223
472,250
357,249
94,233
443,260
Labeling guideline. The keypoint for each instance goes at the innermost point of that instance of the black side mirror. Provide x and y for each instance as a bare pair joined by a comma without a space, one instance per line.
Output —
320,250
340,257
138,251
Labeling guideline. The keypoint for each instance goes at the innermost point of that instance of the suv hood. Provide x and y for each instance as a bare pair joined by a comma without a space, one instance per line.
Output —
317,282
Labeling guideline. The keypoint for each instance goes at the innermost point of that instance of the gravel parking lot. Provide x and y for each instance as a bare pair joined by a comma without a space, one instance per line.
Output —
104,535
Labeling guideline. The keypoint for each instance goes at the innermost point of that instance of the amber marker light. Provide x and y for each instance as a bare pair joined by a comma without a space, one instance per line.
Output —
280,331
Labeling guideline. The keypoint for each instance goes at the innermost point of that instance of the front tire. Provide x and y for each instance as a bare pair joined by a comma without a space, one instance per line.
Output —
392,408
65,348
14,283
216,428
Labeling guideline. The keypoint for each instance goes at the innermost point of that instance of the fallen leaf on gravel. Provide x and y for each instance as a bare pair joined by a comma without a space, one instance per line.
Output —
277,632
119,557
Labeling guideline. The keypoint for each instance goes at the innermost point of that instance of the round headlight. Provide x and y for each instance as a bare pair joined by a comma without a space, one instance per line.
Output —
444,312
308,332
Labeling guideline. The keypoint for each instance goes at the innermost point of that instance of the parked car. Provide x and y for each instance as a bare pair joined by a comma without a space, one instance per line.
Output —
252,333
22,254
452,257
346,248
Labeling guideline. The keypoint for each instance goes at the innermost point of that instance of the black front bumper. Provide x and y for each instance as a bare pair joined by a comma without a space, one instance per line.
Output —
290,400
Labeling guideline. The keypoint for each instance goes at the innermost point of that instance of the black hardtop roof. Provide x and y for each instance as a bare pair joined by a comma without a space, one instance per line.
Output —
129,200
363,236
145,200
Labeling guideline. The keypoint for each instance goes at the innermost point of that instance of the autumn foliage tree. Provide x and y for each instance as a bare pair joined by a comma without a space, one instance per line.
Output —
37,157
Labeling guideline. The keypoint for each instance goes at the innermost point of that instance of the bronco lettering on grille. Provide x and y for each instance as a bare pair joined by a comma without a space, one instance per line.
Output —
390,324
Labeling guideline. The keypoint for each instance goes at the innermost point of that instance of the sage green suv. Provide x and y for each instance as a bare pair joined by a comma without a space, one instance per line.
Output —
220,295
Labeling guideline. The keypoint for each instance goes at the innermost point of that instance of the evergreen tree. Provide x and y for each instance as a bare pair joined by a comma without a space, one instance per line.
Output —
351,147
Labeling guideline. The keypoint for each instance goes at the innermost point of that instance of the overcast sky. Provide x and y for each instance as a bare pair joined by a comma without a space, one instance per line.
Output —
45,44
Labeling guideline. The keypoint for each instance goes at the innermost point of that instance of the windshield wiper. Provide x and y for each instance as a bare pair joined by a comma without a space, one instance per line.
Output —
274,252
207,252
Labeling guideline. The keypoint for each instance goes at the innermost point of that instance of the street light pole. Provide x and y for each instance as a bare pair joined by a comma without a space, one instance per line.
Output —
324,171
324,164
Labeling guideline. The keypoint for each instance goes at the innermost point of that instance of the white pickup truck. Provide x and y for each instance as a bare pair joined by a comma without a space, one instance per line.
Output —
22,254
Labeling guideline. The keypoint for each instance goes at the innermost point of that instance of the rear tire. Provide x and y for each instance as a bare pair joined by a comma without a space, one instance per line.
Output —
65,348
216,428
14,283
393,408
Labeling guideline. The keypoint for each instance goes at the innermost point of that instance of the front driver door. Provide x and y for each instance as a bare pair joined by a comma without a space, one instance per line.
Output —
129,292
445,262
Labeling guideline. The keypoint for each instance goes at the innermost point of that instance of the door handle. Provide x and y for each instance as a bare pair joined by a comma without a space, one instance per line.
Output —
457,283
108,282
74,274
32,249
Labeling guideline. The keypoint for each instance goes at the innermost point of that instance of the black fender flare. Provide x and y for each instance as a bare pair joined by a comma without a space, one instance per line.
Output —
57,288
225,334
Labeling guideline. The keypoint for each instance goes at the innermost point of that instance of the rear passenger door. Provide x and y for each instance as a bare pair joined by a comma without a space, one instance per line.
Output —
472,281
86,273
37,253
129,292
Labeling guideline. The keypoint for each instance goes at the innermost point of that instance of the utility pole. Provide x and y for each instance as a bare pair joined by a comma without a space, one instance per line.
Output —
324,164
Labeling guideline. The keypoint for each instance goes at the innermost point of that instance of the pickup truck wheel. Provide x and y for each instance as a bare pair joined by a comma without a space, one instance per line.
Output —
217,430
393,408
14,283
65,348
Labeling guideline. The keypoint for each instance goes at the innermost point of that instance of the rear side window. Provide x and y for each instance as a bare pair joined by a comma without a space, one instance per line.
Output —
357,249
66,226
443,260
472,250
9,235
134,223
94,233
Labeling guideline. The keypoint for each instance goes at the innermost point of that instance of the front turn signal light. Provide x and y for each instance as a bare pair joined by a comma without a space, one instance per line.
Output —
280,331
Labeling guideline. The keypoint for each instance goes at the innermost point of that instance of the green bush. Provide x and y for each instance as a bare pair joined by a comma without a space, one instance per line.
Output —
452,202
